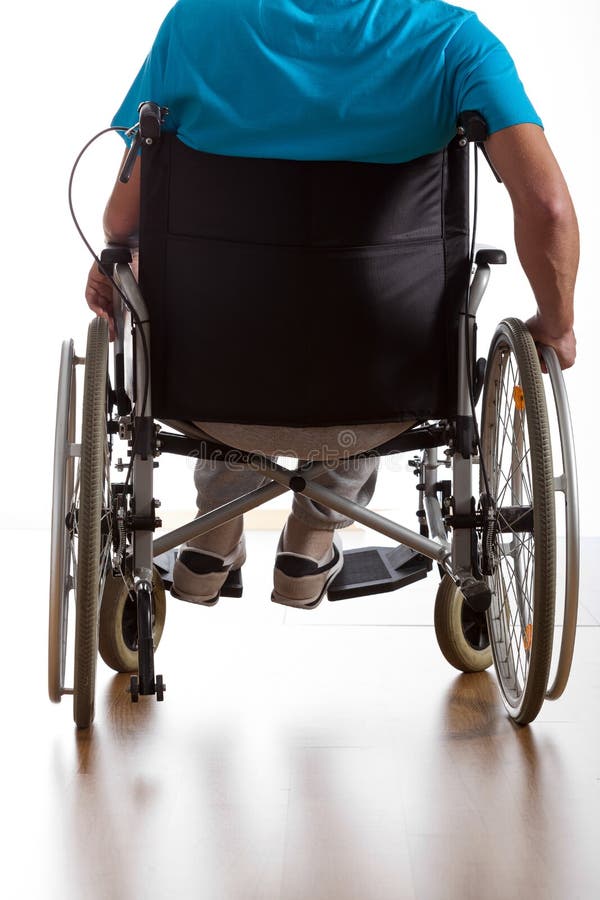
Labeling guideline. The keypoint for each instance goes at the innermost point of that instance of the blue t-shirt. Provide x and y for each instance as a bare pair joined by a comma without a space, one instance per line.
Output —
363,80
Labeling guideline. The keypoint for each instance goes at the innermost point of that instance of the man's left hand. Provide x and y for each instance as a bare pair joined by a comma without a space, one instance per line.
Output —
99,297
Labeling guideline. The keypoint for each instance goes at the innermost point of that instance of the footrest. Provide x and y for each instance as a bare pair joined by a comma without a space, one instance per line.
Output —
376,570
233,586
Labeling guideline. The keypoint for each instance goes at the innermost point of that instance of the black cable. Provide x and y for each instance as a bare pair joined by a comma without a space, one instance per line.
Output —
135,317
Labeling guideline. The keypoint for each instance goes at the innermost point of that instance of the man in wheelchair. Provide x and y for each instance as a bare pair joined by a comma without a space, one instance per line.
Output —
289,80
302,206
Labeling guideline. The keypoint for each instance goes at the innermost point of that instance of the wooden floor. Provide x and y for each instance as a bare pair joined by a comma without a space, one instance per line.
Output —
301,756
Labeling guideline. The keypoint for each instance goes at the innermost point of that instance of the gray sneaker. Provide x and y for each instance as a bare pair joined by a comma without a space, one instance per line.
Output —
199,575
301,581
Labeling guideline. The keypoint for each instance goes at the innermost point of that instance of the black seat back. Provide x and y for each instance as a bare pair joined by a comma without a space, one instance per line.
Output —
303,293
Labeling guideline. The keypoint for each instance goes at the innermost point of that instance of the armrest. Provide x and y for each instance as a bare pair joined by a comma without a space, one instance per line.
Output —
114,254
490,256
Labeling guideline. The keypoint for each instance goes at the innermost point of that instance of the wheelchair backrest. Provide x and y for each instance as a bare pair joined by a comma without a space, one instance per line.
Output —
298,293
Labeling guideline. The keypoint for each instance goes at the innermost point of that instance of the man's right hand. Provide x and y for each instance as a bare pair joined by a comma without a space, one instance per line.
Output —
565,344
99,297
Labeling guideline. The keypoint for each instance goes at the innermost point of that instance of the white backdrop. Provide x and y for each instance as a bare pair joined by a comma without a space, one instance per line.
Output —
64,71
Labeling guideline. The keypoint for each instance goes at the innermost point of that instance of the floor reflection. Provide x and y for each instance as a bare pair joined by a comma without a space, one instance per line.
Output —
313,774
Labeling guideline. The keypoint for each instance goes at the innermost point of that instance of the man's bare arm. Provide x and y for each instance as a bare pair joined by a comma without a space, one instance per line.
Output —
546,231
121,225
122,213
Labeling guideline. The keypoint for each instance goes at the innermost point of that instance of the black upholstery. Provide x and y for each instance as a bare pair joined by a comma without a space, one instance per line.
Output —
302,293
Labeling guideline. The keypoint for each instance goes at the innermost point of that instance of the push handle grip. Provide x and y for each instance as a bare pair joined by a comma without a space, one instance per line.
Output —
472,128
147,131
151,117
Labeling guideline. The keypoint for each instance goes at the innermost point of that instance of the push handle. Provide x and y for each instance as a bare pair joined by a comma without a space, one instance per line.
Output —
471,128
147,130
151,118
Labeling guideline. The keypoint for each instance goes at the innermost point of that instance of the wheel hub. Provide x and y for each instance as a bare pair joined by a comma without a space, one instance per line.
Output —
489,532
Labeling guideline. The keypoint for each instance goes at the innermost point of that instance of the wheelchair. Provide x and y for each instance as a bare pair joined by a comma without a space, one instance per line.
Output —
379,258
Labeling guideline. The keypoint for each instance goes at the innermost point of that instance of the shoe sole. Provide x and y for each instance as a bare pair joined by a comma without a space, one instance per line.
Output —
195,600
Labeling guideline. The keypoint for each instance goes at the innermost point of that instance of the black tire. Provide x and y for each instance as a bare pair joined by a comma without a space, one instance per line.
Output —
93,546
461,633
118,621
517,457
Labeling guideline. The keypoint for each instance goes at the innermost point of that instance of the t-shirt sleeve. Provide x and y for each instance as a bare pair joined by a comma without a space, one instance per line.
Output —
483,77
151,81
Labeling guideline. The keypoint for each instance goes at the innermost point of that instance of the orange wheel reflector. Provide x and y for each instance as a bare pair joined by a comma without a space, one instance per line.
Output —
519,397
528,636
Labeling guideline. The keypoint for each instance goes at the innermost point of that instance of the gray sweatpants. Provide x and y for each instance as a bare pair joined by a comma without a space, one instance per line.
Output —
218,482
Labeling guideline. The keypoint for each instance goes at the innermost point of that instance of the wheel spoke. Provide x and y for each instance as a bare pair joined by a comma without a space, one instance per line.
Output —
509,478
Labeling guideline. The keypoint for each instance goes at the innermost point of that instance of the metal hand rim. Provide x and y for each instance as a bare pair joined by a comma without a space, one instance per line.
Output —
568,485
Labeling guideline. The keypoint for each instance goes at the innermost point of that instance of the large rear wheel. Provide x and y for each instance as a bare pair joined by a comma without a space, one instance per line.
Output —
91,521
519,533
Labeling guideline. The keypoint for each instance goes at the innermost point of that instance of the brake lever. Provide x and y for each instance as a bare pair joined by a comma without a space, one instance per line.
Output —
147,131
127,168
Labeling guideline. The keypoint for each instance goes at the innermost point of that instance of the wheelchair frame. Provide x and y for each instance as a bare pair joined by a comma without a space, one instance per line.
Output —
458,557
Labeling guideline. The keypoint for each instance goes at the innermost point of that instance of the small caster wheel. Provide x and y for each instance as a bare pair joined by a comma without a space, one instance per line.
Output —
160,688
461,632
134,689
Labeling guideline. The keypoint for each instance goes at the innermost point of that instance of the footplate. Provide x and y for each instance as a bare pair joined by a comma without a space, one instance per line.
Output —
376,570
233,586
